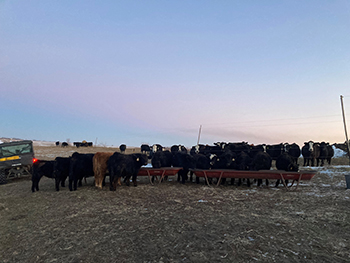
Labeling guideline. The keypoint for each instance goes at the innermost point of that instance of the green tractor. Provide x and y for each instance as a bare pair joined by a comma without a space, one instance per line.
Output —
16,159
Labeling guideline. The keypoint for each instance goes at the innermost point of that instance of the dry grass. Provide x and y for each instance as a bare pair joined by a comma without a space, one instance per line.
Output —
171,222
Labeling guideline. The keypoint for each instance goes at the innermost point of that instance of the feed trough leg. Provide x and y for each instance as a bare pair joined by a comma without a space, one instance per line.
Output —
219,180
206,178
150,179
162,177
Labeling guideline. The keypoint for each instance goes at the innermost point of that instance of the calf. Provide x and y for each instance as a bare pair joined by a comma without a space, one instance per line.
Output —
80,167
61,171
41,168
125,165
100,167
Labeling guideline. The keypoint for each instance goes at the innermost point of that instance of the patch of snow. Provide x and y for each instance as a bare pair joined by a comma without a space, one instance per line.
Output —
202,201
338,152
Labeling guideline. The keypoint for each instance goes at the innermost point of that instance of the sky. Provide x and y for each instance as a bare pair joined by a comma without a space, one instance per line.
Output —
154,71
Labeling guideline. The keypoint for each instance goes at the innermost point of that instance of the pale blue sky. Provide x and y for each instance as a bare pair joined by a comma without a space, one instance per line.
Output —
152,71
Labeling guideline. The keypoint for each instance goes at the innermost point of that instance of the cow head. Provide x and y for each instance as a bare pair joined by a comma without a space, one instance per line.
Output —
140,159
293,167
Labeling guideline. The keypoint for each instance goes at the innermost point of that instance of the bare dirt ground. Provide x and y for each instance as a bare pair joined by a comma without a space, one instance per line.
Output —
170,222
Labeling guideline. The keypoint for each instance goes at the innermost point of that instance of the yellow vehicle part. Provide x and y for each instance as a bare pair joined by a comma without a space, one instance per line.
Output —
9,158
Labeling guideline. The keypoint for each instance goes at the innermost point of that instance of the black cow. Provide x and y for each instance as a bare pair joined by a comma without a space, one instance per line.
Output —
122,148
178,148
307,152
125,165
285,162
242,162
57,143
237,147
261,161
64,144
61,171
294,151
222,160
185,161
145,148
330,153
323,153
254,149
275,150
80,167
199,148
316,154
41,168
201,162
155,148
162,159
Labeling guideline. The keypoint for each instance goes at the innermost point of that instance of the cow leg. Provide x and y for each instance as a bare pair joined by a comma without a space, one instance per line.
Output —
267,182
75,186
259,182
127,180
80,182
112,186
277,182
191,176
70,183
182,174
57,183
34,186
232,181
197,180
119,181
134,179
239,181
248,182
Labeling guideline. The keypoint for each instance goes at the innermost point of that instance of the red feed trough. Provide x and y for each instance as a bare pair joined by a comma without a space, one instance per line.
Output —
262,174
162,172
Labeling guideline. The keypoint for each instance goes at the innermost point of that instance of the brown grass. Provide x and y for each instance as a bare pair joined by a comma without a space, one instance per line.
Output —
170,222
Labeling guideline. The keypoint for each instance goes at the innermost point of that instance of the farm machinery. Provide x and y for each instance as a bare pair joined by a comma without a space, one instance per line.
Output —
16,159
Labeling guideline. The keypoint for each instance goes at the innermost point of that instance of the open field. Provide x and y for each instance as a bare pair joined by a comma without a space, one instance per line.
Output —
170,222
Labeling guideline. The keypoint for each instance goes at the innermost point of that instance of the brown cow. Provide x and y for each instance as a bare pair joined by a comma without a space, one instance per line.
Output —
100,167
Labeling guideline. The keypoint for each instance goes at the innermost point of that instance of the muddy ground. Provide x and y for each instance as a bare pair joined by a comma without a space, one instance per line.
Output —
170,222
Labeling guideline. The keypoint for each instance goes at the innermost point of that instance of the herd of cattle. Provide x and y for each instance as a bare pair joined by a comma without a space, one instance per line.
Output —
118,165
